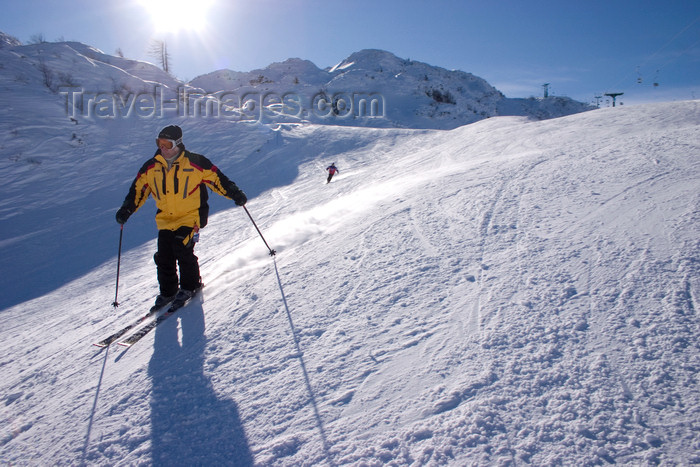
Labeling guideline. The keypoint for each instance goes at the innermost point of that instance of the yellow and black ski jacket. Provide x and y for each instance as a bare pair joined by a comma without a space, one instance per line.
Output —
180,192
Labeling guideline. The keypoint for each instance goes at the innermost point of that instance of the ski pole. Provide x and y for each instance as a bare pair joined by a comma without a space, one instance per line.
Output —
272,252
119,260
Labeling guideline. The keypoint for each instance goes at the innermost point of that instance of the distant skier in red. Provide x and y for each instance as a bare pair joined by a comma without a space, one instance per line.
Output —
332,169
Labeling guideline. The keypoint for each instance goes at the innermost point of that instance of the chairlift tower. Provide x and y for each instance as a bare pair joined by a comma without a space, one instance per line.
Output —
613,95
546,90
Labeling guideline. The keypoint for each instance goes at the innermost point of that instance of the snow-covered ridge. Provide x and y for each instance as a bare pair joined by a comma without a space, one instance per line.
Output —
415,94
371,88
8,41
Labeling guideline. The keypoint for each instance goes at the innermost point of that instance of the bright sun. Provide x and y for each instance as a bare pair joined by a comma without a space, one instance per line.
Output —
178,15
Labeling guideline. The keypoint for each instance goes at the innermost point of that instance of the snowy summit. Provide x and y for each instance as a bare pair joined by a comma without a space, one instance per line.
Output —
414,94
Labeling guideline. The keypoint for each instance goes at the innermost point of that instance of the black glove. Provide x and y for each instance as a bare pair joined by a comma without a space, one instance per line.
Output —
239,198
123,215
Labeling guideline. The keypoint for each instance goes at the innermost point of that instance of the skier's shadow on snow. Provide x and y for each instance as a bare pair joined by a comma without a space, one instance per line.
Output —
190,424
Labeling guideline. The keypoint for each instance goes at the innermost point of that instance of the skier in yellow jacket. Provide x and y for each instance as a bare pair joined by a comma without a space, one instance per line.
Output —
178,181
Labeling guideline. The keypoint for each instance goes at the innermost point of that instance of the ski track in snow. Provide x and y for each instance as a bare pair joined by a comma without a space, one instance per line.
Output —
508,292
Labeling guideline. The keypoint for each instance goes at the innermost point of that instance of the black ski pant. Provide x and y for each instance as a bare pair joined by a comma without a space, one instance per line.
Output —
176,248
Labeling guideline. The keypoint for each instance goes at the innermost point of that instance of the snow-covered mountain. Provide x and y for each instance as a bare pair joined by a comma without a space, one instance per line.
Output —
370,88
406,93
510,292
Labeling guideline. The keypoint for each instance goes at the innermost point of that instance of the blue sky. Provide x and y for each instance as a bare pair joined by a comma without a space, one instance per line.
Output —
582,48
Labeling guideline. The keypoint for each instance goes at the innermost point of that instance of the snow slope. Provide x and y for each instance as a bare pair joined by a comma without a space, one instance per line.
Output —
71,112
505,293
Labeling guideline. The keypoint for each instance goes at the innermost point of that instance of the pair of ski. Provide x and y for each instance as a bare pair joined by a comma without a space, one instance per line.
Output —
135,337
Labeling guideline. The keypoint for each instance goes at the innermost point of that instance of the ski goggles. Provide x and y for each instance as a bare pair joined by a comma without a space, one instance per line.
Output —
166,143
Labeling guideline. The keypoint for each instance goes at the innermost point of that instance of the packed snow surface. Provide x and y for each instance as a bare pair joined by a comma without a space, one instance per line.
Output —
509,292
505,293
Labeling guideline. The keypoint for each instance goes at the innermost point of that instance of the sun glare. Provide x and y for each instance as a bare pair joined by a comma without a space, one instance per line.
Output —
178,15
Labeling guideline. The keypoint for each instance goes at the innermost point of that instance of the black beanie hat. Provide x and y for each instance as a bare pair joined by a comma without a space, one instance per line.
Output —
172,132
